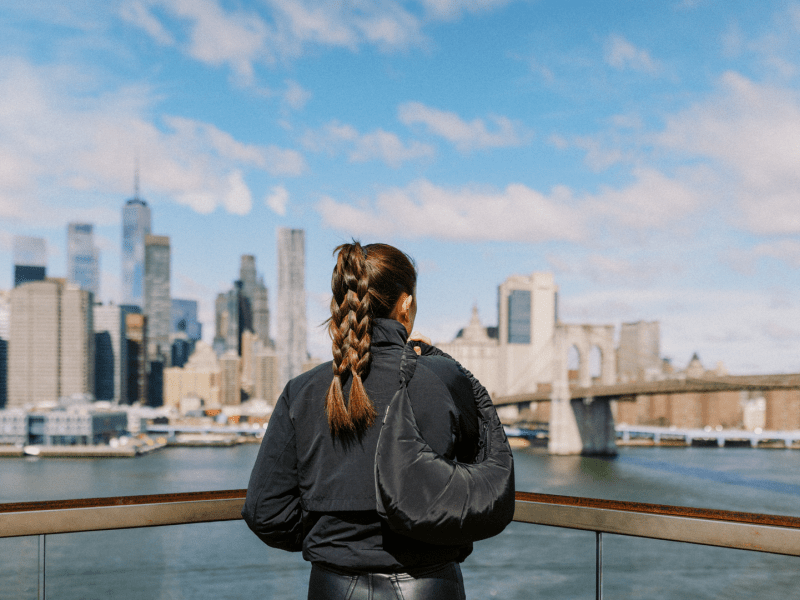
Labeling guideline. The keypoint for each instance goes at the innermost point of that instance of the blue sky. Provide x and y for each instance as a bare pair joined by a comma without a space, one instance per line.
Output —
646,153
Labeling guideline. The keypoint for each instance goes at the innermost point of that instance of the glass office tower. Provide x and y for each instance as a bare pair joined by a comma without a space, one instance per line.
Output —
135,226
83,258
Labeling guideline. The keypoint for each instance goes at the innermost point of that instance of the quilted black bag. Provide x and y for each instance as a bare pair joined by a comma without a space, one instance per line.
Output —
428,497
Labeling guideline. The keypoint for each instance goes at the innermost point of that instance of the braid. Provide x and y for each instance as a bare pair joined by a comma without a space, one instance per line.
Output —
350,328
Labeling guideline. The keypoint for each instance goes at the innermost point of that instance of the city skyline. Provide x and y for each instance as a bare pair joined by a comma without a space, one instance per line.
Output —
644,155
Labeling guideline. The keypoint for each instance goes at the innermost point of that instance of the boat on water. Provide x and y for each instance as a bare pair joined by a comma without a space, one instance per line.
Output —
31,450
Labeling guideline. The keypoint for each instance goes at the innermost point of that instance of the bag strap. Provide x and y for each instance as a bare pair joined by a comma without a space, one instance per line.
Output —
408,362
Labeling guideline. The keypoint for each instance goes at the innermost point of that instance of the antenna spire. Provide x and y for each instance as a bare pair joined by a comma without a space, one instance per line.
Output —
136,180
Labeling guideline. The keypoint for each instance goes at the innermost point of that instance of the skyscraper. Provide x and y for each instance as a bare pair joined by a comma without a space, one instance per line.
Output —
135,227
77,341
185,330
51,350
527,319
5,323
34,352
639,354
157,303
255,293
111,353
83,258
136,333
244,308
3,372
184,319
230,387
30,259
292,351
5,313
265,375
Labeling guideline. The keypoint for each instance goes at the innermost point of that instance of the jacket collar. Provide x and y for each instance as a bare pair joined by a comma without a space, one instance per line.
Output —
388,332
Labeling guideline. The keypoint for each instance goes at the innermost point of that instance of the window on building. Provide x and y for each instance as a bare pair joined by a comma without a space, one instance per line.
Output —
519,317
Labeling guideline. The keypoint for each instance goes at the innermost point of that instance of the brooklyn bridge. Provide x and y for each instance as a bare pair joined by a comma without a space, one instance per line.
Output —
719,403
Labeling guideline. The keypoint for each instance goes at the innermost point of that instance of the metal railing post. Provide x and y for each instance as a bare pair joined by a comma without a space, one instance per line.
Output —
599,565
41,588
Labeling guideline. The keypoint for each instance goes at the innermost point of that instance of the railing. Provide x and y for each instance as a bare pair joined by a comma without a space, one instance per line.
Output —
748,531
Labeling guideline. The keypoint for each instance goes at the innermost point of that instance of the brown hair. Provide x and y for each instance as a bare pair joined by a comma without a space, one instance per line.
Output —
367,282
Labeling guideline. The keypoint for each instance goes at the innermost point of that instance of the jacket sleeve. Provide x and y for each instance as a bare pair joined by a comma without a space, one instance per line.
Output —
272,507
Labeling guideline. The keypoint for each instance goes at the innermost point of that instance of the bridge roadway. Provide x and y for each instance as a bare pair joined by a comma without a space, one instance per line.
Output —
627,392
721,436
625,432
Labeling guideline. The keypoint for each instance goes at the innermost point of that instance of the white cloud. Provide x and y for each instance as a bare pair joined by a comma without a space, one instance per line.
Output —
278,200
448,9
748,132
423,209
718,324
390,26
612,269
599,155
295,96
331,135
465,135
375,145
651,201
387,147
136,13
216,37
272,159
238,199
787,250
277,30
780,331
621,54
59,144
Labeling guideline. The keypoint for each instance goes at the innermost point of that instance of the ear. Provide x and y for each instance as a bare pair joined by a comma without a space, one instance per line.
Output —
409,299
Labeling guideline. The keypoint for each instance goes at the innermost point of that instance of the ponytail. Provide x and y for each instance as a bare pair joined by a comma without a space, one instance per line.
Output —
366,284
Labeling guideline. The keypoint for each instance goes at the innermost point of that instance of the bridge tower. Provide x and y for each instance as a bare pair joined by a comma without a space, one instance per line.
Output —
582,425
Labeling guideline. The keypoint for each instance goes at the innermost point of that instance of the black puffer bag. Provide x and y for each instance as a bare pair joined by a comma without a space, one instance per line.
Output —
428,497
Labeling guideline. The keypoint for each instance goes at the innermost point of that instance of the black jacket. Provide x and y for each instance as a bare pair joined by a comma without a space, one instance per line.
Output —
312,492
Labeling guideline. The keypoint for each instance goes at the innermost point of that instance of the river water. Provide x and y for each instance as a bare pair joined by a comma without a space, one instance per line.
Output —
224,560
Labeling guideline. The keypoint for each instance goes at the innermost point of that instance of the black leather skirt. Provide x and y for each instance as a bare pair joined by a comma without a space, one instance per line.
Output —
439,582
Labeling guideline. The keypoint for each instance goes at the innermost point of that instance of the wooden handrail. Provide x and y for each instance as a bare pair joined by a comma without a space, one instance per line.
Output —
750,531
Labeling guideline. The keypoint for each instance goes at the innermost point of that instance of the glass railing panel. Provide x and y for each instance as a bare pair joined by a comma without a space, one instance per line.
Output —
19,575
198,561
642,569
532,561
168,471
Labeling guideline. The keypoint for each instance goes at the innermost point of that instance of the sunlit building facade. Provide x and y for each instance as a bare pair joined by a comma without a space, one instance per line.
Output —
292,343
526,323
51,346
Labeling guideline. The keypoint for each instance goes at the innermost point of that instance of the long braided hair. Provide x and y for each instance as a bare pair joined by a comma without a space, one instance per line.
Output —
367,282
